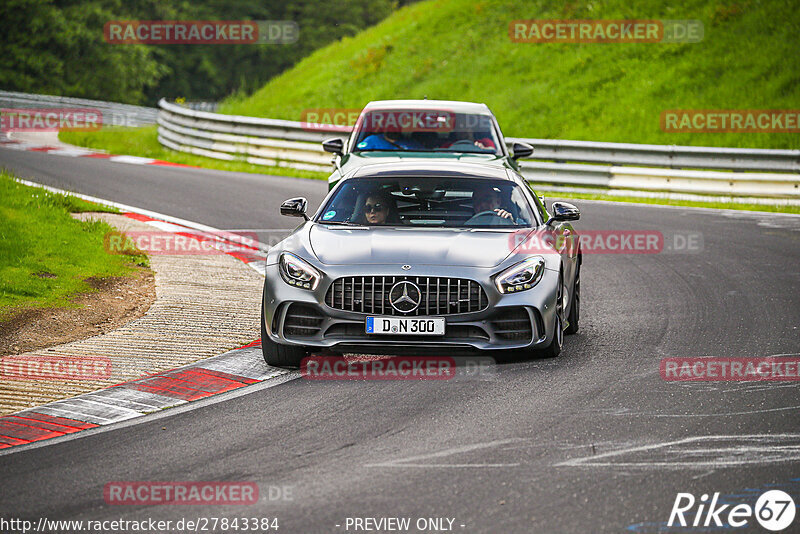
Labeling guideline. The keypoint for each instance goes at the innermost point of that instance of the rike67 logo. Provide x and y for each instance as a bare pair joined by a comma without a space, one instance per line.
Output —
774,510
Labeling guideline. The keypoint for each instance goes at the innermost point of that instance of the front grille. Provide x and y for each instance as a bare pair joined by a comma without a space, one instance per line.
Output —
438,295
302,320
513,324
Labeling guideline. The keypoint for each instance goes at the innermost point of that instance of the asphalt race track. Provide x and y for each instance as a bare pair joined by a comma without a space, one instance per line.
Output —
592,441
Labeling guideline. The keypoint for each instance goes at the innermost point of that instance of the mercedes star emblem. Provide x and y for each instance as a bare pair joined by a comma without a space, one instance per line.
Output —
405,296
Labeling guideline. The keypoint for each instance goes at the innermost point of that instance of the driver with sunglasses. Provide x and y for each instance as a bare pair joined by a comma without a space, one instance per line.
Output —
376,209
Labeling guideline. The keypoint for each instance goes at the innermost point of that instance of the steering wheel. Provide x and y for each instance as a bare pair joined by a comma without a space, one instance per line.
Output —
475,218
464,143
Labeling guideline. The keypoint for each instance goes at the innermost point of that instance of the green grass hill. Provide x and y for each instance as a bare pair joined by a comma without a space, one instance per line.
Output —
749,58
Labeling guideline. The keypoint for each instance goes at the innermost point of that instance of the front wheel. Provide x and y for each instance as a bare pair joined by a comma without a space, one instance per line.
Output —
575,306
554,348
278,355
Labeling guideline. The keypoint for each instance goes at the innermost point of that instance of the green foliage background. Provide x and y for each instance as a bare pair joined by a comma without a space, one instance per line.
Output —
57,46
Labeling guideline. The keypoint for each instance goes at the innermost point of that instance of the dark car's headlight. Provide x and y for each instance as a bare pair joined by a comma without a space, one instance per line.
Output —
298,273
521,276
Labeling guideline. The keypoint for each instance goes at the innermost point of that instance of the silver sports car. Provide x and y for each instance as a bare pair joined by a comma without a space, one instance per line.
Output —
420,258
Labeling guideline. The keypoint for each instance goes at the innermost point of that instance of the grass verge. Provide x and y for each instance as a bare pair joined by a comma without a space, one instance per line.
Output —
143,142
46,256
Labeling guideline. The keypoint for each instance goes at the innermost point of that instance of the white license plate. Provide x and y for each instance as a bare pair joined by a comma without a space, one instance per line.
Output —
412,326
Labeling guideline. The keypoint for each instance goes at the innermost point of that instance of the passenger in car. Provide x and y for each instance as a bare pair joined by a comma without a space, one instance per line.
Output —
380,208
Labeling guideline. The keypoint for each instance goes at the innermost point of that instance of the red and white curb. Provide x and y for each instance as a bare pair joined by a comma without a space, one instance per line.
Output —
77,152
233,370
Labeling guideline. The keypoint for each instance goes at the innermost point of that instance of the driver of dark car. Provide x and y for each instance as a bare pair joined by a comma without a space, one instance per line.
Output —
481,140
487,198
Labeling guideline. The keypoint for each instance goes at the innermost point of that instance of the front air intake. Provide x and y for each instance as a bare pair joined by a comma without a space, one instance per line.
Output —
302,321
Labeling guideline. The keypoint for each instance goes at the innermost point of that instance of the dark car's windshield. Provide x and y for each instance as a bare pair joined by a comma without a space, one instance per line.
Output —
426,131
429,201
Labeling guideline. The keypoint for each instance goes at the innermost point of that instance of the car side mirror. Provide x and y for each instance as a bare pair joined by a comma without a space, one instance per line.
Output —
334,146
564,211
295,207
521,150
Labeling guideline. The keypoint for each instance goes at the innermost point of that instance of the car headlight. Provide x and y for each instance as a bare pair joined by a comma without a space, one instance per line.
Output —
298,273
520,277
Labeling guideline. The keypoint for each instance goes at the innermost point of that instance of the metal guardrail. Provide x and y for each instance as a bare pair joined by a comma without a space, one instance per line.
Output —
202,106
269,142
114,114
671,156
296,145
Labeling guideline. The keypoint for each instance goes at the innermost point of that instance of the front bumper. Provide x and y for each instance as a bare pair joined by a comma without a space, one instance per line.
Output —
294,316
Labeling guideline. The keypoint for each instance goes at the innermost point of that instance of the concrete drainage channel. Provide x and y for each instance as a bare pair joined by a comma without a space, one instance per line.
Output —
191,383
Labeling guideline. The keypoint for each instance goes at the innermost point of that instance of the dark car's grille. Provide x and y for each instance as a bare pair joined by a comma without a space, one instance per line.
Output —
438,295
302,321
513,324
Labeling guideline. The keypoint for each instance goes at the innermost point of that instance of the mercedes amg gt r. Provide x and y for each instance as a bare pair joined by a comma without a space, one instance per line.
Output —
420,257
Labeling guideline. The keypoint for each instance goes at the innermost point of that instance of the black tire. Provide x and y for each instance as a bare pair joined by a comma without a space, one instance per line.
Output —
278,355
575,306
554,348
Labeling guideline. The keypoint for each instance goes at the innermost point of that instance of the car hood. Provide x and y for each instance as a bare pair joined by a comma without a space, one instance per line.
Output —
412,246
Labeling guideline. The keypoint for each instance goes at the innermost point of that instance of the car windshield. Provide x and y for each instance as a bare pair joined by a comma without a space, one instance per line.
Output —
426,131
429,201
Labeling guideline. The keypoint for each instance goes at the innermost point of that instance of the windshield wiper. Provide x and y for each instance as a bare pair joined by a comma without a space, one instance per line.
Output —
476,150
395,149
340,223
